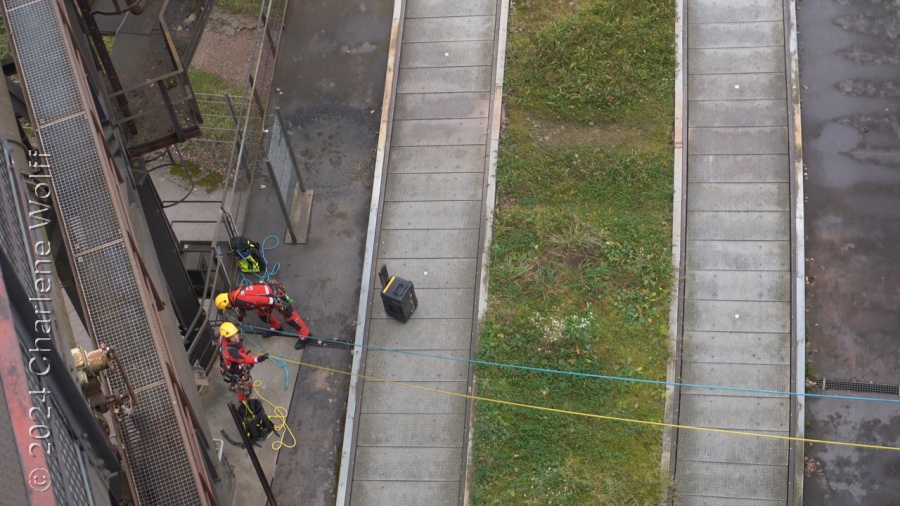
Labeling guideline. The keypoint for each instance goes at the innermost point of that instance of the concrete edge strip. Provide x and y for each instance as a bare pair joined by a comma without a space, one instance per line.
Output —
490,199
365,295
799,283
669,433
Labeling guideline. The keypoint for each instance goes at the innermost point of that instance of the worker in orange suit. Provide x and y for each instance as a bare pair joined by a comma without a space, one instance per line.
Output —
266,297
235,362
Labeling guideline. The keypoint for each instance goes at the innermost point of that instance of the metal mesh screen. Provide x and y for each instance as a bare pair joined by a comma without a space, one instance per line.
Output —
64,457
33,28
151,436
857,386
278,155
117,314
12,225
78,180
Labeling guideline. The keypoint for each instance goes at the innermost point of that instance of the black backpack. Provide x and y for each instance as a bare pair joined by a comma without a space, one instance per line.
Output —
256,422
248,255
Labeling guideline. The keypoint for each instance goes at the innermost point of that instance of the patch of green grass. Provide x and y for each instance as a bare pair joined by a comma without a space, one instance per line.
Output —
208,82
5,51
596,61
109,41
191,171
241,7
580,268
218,121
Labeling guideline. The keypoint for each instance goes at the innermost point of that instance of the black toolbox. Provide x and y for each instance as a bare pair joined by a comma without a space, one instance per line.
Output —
398,296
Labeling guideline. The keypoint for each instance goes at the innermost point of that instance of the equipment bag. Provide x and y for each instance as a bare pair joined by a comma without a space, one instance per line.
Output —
256,421
248,255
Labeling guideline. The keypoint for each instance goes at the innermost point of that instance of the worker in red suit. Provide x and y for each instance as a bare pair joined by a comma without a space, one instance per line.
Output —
266,297
235,362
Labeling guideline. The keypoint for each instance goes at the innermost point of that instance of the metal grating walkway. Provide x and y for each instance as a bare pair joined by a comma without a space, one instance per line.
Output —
736,320
97,234
410,445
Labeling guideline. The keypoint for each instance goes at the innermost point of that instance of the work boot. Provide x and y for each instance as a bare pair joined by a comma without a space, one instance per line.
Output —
269,333
300,344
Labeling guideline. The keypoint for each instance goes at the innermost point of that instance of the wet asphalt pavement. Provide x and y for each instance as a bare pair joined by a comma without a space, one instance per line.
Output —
850,77
331,73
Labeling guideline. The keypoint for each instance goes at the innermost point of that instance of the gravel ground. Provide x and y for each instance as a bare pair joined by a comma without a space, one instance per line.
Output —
226,46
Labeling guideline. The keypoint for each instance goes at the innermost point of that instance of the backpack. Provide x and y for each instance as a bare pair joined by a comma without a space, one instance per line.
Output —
256,422
248,255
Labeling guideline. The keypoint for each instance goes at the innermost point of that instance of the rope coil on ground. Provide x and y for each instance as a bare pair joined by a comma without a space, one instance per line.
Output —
278,413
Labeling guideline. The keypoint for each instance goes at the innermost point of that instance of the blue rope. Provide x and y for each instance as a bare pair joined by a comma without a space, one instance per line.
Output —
276,360
595,376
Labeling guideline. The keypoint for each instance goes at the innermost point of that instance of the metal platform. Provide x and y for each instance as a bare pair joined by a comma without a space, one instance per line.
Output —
736,308
410,445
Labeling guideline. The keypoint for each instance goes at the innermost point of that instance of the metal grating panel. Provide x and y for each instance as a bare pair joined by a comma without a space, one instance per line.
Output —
735,226
428,244
737,86
766,33
693,500
739,285
739,60
441,105
737,316
738,141
279,155
79,185
441,8
407,159
394,493
738,169
447,54
737,113
439,132
424,464
719,479
775,378
12,226
54,469
437,80
716,447
739,197
738,255
160,478
407,368
431,215
749,414
379,397
11,476
455,334
441,186
857,386
38,42
403,429
729,11
447,29
736,347
117,313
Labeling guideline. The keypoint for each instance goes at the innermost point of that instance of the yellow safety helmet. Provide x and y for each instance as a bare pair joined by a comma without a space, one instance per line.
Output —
222,301
228,330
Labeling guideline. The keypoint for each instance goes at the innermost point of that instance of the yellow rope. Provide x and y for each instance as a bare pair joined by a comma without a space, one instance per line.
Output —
280,413
601,417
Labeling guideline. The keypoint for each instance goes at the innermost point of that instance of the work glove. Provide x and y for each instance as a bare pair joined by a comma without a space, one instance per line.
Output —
262,358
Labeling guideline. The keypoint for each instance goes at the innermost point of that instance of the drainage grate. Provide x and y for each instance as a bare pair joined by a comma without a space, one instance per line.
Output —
857,386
